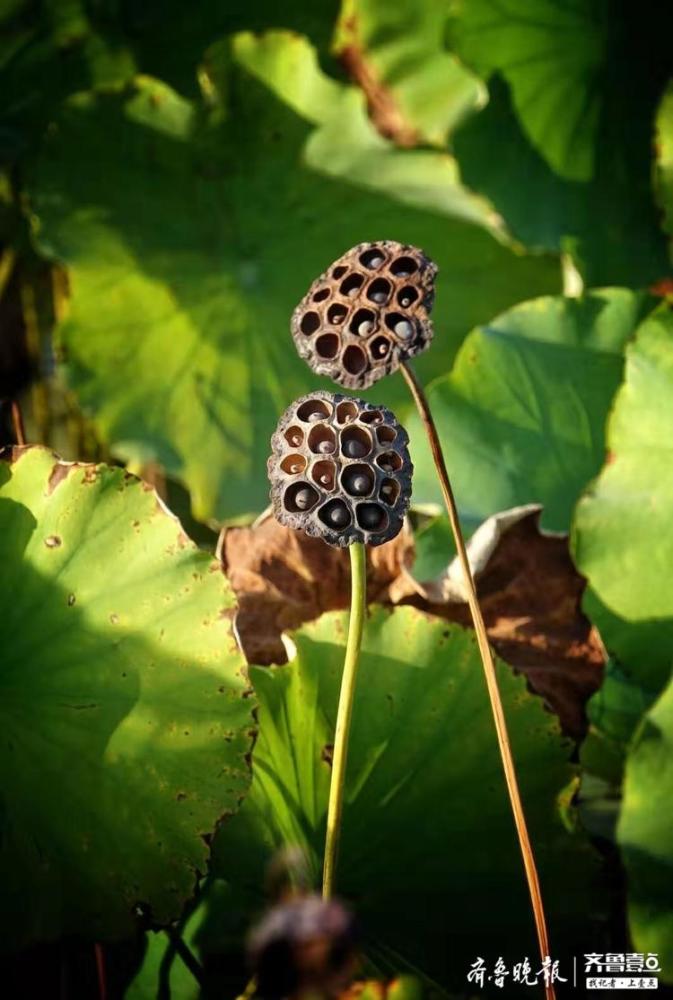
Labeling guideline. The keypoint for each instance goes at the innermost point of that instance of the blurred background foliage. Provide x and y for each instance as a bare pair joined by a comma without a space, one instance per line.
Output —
172,178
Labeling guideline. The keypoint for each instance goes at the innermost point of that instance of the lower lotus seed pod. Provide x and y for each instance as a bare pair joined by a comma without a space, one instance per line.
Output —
367,313
359,489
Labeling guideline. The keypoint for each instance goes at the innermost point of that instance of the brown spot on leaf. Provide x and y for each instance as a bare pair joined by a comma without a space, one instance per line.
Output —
58,473
53,541
327,754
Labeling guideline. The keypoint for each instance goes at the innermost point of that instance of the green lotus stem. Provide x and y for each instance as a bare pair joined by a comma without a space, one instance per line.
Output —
344,714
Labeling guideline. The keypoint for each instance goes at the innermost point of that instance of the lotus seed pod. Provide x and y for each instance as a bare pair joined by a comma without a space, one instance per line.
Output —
305,946
340,470
367,313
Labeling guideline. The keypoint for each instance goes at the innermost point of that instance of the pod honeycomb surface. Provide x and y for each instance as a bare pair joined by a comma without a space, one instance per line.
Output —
367,313
340,470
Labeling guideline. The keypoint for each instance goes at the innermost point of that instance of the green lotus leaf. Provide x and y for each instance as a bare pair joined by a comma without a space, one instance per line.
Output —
192,233
552,55
621,538
646,836
428,855
521,414
421,89
572,128
125,730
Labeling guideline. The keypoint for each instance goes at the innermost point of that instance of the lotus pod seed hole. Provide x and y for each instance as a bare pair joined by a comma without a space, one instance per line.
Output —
379,348
339,272
389,492
293,464
335,514
294,436
351,285
324,474
403,267
358,480
400,326
322,440
385,434
355,442
321,295
372,258
354,360
336,313
407,296
390,461
379,291
363,323
371,517
310,322
327,345
300,497
371,417
312,410
346,412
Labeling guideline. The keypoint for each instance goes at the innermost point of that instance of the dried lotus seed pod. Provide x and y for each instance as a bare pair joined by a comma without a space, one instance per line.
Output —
340,470
367,313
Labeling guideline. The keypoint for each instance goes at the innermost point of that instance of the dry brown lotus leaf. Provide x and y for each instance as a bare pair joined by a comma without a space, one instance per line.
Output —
529,590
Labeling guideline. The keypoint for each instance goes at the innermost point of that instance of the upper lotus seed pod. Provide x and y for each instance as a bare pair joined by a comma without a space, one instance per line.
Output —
367,313
340,469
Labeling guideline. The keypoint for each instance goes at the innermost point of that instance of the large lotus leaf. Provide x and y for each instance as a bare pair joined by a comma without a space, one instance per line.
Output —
397,52
521,414
622,539
574,141
645,833
124,724
428,856
664,148
189,239
552,55
346,145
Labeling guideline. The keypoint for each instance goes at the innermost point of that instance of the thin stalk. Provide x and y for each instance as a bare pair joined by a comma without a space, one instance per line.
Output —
344,714
489,671
17,423
181,948
100,971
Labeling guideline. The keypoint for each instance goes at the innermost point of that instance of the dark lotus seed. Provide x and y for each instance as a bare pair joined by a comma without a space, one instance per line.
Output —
376,261
358,484
405,302
326,480
365,327
295,440
295,467
316,415
354,449
370,517
402,274
387,490
404,329
338,516
378,297
303,499
326,447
